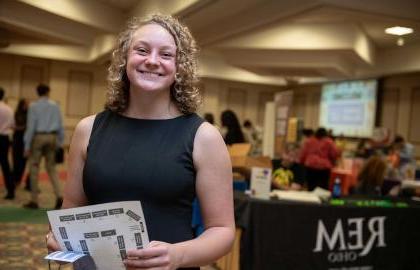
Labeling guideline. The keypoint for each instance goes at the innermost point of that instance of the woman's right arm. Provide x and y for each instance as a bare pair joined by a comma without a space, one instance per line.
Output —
73,195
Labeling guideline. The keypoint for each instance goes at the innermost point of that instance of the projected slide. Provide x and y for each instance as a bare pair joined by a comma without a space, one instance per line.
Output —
349,108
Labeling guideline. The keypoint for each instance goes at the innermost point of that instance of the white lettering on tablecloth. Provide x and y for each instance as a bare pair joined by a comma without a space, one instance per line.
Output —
346,244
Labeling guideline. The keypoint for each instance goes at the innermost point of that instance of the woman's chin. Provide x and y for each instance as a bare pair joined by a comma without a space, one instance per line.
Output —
150,88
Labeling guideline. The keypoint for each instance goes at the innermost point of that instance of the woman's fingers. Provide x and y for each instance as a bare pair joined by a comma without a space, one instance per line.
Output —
147,263
149,252
51,242
156,256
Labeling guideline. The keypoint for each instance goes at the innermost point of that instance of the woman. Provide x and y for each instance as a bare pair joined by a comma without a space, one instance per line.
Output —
371,176
318,155
149,145
19,160
233,128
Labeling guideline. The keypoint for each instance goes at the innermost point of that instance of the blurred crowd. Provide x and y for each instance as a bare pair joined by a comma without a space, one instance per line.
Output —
32,132
383,161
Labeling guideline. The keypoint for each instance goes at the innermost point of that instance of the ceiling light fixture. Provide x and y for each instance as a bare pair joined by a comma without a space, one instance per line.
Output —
399,31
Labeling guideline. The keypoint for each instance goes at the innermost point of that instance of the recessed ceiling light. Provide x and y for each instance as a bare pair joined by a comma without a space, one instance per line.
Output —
398,30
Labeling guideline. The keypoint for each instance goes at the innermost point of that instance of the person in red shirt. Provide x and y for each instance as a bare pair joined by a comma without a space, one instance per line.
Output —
318,155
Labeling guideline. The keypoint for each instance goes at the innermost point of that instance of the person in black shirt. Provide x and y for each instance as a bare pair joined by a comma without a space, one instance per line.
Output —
233,128
19,160
150,145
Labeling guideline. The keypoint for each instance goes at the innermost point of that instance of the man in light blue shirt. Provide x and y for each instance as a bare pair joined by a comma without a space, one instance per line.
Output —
44,132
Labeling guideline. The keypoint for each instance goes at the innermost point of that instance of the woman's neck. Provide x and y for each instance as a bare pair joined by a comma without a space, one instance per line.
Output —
151,105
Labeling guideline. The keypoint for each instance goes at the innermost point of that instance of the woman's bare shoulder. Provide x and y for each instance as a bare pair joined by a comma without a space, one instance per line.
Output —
85,125
207,133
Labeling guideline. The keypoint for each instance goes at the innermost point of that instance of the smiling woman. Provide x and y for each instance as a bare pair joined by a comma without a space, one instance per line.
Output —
151,60
184,91
149,145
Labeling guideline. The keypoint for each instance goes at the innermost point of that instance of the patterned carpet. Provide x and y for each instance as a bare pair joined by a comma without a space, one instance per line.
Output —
22,231
22,246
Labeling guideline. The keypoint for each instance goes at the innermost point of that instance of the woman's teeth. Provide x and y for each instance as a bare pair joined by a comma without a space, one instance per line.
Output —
151,74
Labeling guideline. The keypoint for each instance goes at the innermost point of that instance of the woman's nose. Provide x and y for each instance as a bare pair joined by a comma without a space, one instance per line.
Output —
152,59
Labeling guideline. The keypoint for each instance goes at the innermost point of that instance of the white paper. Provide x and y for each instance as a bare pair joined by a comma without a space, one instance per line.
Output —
260,182
103,231
410,184
302,196
65,256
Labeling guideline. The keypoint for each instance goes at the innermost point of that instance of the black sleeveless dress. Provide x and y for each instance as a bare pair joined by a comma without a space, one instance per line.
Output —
146,160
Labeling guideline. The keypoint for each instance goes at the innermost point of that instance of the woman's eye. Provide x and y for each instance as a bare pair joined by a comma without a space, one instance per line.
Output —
142,51
166,55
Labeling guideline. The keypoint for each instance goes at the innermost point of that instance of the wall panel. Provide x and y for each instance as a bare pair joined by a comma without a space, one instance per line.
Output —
414,131
31,76
299,105
236,101
389,112
79,93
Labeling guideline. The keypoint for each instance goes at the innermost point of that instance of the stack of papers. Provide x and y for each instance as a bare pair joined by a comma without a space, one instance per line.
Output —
410,184
302,196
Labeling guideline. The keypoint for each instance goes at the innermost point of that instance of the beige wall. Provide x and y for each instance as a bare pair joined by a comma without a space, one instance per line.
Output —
80,91
245,99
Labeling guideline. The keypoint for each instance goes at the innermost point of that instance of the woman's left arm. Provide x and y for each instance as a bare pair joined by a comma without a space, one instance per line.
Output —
214,190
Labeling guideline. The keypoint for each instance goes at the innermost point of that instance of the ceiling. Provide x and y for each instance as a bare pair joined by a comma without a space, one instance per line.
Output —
259,41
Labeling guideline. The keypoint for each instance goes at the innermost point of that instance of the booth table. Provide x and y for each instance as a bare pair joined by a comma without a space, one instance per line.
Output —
278,234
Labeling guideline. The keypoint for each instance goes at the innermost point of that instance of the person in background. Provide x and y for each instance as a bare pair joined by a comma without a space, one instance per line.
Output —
318,155
363,149
306,134
43,134
252,136
330,133
405,151
371,177
149,145
290,164
209,118
406,158
233,128
6,124
19,159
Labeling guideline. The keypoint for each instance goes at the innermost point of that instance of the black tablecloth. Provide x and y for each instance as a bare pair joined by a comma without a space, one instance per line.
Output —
293,235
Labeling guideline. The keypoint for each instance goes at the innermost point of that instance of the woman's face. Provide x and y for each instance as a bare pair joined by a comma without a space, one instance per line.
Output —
151,59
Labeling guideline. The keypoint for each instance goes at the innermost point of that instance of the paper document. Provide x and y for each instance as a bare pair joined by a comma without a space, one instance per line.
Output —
303,196
260,182
103,231
65,256
410,184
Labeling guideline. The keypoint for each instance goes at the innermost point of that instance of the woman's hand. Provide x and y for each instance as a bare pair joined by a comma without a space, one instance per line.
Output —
51,242
158,255
52,245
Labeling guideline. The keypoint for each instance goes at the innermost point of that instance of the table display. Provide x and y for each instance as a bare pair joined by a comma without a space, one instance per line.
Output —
357,234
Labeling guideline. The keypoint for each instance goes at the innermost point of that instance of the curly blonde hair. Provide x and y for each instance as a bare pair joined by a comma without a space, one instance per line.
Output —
184,91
